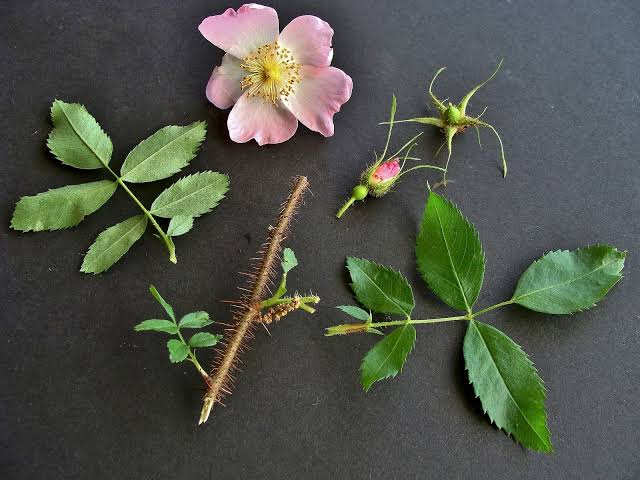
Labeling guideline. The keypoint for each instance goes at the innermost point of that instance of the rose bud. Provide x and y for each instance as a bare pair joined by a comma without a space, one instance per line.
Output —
379,179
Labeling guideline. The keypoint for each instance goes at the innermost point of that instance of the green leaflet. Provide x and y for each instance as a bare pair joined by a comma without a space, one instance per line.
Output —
289,260
569,281
355,312
192,196
164,153
387,356
195,320
508,385
112,244
179,225
203,339
157,325
62,207
167,307
178,351
449,254
77,139
379,288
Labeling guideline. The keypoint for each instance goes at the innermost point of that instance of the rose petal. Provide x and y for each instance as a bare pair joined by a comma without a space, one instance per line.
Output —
309,39
239,33
223,89
252,117
319,95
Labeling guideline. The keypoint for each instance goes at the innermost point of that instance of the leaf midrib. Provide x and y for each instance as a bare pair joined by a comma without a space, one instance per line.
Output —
382,291
62,108
515,299
159,150
155,210
455,273
473,322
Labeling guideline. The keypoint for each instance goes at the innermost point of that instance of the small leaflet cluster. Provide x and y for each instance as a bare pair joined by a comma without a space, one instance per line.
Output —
451,261
179,348
78,141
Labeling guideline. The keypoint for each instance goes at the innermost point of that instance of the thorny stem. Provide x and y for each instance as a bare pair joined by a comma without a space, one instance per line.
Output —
217,381
353,327
165,238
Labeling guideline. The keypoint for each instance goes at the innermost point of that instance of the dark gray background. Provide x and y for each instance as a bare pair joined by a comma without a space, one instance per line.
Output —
83,396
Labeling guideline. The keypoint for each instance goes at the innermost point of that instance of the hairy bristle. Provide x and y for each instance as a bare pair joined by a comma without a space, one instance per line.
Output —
262,271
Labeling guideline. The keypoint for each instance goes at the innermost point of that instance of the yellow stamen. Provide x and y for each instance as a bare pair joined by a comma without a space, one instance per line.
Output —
272,73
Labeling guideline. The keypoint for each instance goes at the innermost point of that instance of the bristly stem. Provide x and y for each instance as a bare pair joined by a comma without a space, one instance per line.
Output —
165,238
218,381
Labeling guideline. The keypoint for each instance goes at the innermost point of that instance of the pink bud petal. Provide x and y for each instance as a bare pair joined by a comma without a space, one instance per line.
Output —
386,171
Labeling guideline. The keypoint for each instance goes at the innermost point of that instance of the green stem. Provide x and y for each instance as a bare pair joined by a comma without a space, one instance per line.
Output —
284,300
418,322
344,208
167,240
469,316
492,307
192,356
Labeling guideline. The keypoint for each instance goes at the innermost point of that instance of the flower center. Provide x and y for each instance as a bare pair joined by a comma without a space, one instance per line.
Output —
272,73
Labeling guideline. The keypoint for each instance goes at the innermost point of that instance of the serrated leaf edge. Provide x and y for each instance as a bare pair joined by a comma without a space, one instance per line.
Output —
404,361
542,384
153,210
352,285
82,268
192,155
623,256
103,162
476,237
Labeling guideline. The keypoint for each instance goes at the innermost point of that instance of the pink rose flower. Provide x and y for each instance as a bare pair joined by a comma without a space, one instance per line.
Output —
273,79
385,171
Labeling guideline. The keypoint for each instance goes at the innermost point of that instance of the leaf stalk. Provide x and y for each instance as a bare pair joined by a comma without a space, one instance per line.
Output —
165,238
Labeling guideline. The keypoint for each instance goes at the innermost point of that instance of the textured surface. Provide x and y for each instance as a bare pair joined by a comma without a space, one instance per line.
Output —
380,288
565,282
449,254
84,396
507,384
